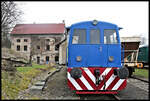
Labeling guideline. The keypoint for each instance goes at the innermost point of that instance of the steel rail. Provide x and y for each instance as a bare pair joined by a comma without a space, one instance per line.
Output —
139,79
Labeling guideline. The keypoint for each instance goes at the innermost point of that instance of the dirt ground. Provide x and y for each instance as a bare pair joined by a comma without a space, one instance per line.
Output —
56,88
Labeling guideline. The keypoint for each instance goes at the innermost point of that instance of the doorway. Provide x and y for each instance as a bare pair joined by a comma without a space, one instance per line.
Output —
38,60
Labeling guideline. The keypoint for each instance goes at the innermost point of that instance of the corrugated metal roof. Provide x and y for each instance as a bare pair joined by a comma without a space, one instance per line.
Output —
130,39
39,28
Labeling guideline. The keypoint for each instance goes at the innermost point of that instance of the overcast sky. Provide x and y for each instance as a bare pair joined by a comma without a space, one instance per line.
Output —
131,16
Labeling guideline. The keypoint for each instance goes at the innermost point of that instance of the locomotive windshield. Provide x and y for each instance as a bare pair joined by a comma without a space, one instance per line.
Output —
110,36
79,36
94,36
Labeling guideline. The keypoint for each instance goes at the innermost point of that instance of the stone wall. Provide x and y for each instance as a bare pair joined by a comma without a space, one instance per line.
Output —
11,59
37,40
14,44
62,52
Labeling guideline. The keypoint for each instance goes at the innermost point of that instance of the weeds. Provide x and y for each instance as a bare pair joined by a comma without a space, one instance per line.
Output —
12,85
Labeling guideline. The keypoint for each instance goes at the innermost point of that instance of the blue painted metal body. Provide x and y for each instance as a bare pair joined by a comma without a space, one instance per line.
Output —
94,55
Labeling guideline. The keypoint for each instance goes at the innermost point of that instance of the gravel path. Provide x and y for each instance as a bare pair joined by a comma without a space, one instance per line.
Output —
139,84
56,87
135,90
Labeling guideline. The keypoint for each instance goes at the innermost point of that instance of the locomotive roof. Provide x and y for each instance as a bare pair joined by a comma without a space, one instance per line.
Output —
99,22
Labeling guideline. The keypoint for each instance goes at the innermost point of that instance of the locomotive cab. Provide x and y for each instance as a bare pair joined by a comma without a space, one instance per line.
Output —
94,58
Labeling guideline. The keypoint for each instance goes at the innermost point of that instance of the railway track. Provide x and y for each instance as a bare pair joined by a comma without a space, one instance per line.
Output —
139,79
139,82
116,97
99,97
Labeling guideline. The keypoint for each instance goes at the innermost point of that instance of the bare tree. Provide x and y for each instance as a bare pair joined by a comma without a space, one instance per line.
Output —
10,15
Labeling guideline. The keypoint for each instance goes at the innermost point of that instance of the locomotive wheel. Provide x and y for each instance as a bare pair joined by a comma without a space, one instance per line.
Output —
130,71
122,73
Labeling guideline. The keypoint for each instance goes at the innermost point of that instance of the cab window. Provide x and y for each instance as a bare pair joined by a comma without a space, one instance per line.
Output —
79,36
94,36
110,36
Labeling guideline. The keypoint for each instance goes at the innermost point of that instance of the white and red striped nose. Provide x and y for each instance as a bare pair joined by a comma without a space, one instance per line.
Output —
87,79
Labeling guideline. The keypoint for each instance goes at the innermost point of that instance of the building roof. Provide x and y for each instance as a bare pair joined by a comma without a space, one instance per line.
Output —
39,28
130,39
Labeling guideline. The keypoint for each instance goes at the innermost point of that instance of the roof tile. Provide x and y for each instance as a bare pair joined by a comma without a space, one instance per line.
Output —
38,28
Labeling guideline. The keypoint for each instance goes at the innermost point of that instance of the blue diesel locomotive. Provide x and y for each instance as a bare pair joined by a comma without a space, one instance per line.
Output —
94,58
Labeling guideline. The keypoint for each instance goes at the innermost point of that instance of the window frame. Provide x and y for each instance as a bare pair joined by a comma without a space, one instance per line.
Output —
113,37
38,46
47,40
90,35
26,40
47,47
18,41
18,49
73,30
25,48
47,58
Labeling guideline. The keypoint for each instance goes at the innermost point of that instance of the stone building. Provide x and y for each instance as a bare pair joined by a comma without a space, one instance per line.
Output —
62,51
38,41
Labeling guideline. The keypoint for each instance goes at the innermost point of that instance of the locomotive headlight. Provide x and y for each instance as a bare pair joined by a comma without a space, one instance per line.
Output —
76,73
78,58
95,22
111,58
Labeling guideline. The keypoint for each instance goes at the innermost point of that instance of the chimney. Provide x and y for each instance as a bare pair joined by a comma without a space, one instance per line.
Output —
63,21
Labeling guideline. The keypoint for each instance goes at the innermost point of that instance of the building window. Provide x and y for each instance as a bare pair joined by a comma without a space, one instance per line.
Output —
47,58
38,60
57,47
25,48
18,40
18,47
56,58
47,47
47,40
38,47
25,40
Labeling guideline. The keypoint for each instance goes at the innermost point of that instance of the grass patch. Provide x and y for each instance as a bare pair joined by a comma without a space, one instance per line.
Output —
141,72
12,85
29,68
